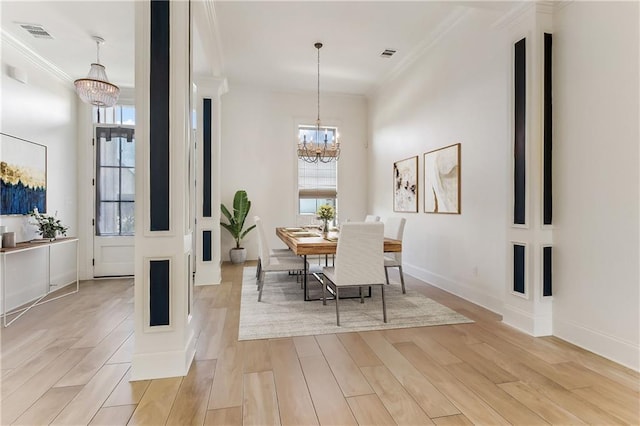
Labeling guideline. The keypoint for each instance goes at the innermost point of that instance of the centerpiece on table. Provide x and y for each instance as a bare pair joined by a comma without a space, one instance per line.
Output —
325,213
48,226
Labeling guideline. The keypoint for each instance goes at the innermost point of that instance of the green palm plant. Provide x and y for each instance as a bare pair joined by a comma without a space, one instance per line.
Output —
241,206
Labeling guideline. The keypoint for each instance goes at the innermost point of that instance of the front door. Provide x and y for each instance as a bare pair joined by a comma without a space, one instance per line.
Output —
113,241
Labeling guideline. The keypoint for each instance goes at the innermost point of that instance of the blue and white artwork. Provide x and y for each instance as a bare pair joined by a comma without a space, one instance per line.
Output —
23,176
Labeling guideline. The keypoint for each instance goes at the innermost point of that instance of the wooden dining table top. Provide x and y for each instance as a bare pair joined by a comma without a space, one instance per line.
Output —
302,242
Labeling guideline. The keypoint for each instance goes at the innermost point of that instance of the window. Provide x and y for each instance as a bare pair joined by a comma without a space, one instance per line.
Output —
115,180
115,169
317,182
118,114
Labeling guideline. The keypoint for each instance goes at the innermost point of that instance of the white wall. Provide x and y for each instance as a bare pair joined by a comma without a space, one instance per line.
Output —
596,189
43,111
457,92
258,154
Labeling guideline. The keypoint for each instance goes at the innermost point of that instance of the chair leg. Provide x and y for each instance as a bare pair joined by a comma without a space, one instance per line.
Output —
260,285
386,274
384,305
324,291
337,309
361,296
401,279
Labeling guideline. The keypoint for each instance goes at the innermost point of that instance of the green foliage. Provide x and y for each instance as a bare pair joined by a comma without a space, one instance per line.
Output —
241,206
48,226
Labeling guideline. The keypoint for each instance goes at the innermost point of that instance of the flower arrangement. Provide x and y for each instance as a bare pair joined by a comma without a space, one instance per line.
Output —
48,226
326,213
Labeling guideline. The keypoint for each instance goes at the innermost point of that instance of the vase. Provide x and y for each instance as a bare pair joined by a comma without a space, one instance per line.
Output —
325,228
49,235
238,255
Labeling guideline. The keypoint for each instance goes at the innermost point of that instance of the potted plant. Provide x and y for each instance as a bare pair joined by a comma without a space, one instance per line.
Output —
48,226
241,206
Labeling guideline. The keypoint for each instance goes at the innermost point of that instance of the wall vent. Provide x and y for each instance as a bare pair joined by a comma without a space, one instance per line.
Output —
387,53
36,30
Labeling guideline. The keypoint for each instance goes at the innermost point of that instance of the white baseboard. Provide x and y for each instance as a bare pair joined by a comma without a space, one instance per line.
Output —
158,365
534,325
618,350
208,274
462,290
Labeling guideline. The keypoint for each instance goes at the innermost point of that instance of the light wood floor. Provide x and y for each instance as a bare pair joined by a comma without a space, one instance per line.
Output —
67,362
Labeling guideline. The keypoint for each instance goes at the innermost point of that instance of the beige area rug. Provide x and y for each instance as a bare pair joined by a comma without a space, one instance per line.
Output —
284,313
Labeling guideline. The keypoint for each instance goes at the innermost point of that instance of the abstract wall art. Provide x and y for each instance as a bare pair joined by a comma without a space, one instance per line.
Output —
442,180
23,176
405,185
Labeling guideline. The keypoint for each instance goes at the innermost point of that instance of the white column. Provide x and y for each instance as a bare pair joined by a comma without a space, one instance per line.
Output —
530,312
211,89
163,350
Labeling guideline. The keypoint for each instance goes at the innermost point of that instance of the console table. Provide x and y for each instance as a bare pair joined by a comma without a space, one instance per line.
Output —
6,252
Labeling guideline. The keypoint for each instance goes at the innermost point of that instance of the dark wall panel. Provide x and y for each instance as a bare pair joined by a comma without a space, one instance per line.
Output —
159,292
548,134
206,246
159,117
547,263
206,158
520,101
518,268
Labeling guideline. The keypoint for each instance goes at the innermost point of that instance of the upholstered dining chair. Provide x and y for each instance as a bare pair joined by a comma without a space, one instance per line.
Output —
394,229
272,252
359,262
372,218
271,263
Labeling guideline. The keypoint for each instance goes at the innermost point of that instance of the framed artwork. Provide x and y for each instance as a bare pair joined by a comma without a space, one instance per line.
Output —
23,176
405,185
442,180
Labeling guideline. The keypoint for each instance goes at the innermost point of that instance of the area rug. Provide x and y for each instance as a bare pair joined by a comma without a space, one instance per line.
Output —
284,313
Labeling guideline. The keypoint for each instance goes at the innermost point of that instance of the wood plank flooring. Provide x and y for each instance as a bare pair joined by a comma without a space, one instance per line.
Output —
67,362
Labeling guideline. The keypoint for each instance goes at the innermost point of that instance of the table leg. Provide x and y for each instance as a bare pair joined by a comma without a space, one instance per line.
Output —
304,279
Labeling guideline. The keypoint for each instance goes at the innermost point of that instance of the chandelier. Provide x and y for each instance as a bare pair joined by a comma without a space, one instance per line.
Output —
95,89
322,150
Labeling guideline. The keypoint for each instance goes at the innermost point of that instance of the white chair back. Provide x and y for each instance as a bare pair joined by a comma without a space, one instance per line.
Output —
263,246
372,218
394,229
360,254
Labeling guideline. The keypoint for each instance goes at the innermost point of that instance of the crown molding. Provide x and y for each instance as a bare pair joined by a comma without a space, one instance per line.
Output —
449,23
27,53
514,14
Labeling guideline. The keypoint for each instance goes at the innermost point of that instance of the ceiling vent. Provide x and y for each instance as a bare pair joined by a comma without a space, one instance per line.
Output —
387,53
36,30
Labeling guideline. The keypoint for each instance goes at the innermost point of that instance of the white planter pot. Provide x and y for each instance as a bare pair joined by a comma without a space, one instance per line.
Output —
238,255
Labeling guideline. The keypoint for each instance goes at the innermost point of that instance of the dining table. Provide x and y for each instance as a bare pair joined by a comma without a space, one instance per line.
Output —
311,242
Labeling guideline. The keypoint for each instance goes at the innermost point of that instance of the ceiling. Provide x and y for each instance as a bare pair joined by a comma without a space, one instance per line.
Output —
261,43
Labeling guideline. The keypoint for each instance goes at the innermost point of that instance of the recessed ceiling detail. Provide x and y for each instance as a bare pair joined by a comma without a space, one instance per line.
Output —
387,53
36,30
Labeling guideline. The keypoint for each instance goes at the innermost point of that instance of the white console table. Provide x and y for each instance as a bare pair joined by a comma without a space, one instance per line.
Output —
6,252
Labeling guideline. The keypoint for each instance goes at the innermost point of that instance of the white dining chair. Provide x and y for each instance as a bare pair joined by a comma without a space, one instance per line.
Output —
394,229
359,262
271,263
272,252
372,218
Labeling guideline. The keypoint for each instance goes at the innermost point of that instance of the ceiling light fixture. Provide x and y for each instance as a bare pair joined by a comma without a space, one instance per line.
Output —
324,150
95,89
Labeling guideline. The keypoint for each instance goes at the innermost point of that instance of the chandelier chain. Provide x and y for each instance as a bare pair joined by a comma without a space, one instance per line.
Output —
318,120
